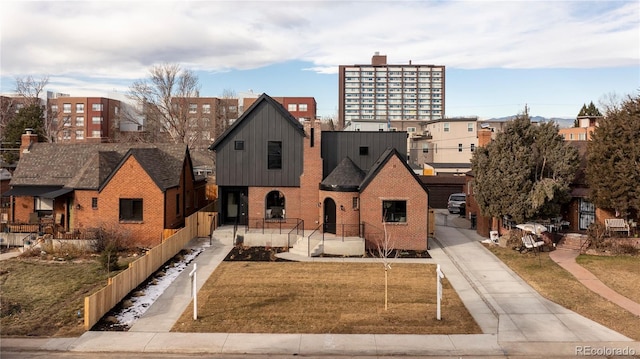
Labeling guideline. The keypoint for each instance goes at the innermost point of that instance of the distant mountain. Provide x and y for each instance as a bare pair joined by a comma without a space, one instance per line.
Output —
562,122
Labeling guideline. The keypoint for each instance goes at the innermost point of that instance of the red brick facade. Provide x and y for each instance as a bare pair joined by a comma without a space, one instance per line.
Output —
394,182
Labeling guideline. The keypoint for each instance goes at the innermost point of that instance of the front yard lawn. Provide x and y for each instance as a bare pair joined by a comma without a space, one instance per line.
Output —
42,297
620,273
559,286
338,298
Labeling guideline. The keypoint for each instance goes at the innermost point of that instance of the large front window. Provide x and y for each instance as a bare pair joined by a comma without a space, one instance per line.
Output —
131,209
274,155
394,211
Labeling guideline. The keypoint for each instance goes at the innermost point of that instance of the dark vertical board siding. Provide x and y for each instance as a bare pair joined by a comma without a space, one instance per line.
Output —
338,145
249,167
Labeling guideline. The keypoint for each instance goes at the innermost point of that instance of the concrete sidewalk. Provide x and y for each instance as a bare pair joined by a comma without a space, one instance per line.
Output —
514,318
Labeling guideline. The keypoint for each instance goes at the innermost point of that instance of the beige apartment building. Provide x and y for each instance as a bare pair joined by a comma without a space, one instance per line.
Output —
444,146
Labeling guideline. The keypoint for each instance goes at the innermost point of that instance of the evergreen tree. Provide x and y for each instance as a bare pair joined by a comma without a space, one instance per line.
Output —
613,159
31,116
525,172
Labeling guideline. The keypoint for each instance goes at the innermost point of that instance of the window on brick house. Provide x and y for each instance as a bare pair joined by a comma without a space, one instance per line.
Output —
394,211
302,107
130,209
94,202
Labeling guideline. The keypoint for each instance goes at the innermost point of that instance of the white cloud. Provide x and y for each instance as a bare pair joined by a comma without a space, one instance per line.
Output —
117,39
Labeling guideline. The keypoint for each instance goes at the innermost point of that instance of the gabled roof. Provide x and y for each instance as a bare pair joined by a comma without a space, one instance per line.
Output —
346,177
381,162
264,98
89,166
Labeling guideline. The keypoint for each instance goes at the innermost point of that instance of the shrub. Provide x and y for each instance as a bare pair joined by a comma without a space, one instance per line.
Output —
596,235
109,258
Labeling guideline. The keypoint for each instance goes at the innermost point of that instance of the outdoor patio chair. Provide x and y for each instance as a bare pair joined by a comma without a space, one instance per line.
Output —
532,243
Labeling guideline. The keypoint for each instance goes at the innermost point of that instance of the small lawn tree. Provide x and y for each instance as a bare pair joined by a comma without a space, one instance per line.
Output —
613,159
525,172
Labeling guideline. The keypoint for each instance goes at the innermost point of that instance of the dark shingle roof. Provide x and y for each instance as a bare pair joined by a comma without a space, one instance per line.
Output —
89,166
381,162
346,177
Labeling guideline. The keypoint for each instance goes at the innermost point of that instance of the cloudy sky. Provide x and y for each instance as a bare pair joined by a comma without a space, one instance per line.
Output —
500,55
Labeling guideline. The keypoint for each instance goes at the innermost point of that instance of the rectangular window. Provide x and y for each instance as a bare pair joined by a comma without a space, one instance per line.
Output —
292,107
131,209
79,121
274,155
54,108
364,151
238,145
394,211
66,135
411,129
80,135
473,147
96,120
96,107
355,203
96,133
193,108
446,127
206,108
66,108
79,108
302,107
470,127
94,202
312,137
459,147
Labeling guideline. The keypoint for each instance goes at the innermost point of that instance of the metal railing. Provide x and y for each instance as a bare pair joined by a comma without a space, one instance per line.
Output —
321,240
279,225
299,228
344,230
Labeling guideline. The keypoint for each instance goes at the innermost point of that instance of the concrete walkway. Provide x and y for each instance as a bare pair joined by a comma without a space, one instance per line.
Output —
566,258
515,319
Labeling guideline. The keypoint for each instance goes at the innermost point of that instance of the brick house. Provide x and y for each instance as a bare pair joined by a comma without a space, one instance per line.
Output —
271,167
140,189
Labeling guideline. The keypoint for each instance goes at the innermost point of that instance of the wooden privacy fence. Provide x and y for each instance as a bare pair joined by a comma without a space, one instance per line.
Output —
199,224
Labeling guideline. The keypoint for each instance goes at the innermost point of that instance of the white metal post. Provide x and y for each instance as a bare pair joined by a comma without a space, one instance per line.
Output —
439,276
194,290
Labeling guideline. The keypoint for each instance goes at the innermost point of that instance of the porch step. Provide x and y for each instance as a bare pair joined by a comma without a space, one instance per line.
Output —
301,247
573,241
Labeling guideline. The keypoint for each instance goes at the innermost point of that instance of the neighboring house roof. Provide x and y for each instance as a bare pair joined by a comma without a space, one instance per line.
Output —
449,165
247,114
381,162
89,166
346,177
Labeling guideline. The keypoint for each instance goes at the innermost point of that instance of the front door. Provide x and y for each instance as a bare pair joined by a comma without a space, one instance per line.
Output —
329,216
235,205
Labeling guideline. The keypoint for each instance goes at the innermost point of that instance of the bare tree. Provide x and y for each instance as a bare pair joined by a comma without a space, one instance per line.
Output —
28,91
385,250
31,89
164,99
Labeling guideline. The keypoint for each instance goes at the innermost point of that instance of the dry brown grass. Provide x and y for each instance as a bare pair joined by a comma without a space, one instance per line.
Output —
559,286
42,298
340,298
620,273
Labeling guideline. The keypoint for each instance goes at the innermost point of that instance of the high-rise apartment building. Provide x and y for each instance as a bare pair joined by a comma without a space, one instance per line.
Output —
381,96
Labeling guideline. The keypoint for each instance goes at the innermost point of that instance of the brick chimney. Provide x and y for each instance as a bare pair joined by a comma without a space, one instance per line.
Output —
484,137
378,59
28,137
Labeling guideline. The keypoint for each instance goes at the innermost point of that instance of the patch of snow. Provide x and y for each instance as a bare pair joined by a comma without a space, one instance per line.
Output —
127,316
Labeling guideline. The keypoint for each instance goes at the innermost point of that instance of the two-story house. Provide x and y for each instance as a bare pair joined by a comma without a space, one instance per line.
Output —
272,167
